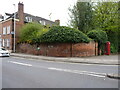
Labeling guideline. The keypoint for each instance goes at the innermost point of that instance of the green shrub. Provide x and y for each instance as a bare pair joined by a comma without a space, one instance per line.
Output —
62,34
31,31
113,48
114,40
98,36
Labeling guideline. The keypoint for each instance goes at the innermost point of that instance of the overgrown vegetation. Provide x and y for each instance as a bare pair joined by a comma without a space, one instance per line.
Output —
106,18
31,31
62,34
36,33
100,37
81,16
102,15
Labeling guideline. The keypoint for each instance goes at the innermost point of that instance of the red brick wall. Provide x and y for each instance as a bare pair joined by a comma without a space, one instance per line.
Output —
43,49
83,49
60,49
27,48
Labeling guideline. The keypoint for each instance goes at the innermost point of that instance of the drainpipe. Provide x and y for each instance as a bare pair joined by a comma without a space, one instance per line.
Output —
14,29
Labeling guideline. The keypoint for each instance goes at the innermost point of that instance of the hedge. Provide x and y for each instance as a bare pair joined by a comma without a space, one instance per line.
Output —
98,36
63,34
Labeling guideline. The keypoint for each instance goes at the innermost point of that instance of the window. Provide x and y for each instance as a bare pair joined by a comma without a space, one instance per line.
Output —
28,19
4,30
3,44
8,30
0,42
43,22
40,21
8,42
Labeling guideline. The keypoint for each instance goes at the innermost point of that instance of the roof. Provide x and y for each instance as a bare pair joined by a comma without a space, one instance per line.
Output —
37,19
33,18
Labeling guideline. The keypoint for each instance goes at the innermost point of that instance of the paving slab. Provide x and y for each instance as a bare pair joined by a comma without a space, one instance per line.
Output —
110,60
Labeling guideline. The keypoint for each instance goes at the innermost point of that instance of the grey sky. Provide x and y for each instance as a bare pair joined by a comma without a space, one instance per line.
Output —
42,8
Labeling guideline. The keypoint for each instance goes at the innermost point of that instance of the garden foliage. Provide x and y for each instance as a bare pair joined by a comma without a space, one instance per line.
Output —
98,36
62,34
31,31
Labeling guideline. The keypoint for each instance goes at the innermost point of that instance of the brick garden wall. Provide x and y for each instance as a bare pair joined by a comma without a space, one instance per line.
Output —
84,49
60,49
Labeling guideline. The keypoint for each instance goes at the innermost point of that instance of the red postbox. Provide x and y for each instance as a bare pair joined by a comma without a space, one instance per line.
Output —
107,48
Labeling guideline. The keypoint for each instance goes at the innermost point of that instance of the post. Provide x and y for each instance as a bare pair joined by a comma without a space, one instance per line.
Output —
14,29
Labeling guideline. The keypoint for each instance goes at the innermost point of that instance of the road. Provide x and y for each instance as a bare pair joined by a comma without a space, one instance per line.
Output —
24,73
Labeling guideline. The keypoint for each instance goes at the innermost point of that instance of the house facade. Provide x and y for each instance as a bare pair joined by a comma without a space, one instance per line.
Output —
7,26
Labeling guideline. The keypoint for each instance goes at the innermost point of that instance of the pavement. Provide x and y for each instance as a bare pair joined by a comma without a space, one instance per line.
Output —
104,59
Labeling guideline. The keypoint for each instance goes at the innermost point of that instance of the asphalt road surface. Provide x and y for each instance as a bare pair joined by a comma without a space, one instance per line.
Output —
24,73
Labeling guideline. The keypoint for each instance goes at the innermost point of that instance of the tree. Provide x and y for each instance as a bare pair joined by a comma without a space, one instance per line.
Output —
81,16
119,26
31,31
106,18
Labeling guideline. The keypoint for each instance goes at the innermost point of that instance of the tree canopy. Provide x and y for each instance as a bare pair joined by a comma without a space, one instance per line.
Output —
98,36
81,16
106,17
31,31
101,15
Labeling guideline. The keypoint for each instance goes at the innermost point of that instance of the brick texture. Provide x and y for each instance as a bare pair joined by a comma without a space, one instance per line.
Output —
7,36
83,49
60,49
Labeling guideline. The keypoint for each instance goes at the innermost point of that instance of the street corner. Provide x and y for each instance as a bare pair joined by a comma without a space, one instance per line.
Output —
115,76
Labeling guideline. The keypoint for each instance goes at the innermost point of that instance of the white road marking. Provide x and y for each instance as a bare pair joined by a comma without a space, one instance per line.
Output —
19,63
79,72
63,70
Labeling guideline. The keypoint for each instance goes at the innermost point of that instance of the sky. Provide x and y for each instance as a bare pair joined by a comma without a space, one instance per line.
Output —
43,8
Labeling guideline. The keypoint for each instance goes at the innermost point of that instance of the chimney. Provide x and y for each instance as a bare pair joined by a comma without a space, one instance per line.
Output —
57,22
21,12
